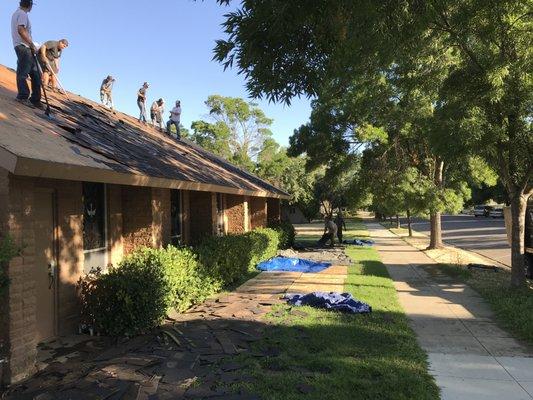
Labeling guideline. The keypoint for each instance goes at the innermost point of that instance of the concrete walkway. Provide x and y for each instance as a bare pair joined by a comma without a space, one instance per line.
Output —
470,356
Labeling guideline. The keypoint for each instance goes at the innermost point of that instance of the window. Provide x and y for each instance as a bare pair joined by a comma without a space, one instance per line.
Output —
175,217
94,216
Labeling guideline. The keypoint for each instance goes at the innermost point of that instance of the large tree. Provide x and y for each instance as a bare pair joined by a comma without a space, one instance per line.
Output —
480,48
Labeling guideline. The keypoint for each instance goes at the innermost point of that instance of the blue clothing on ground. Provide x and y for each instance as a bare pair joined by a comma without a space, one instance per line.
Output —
344,302
292,265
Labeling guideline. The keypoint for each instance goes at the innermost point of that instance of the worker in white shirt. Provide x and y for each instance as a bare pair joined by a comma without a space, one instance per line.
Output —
175,116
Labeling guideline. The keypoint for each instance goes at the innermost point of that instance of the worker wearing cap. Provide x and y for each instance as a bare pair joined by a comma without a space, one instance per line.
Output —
105,91
49,55
175,116
156,113
25,49
141,102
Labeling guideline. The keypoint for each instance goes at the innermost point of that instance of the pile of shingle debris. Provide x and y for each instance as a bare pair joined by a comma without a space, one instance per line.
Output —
191,356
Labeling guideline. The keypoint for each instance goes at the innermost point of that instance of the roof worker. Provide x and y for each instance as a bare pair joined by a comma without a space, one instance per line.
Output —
156,113
49,55
175,116
106,88
330,230
25,49
141,102
339,221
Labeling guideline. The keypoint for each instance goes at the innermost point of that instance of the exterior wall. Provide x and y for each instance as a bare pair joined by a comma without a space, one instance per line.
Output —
273,210
136,217
160,217
202,217
4,304
115,228
234,212
258,212
21,290
186,217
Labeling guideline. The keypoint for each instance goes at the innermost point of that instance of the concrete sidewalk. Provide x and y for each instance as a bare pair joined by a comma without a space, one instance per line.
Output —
470,356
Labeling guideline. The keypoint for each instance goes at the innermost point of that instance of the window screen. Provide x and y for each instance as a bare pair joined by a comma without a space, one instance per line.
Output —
175,216
93,216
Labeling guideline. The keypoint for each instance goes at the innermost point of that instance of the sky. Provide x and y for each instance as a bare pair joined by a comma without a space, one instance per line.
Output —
166,43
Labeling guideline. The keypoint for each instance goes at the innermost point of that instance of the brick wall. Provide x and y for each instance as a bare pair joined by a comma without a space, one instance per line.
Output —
114,232
202,219
273,210
160,217
22,294
258,212
136,217
235,213
4,304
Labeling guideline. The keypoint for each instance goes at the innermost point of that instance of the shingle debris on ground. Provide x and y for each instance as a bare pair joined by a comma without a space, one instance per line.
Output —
190,356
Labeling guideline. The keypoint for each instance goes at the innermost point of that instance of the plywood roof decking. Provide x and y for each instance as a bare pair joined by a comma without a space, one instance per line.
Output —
86,141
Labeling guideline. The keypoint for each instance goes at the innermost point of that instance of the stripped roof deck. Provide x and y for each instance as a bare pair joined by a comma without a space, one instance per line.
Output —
86,141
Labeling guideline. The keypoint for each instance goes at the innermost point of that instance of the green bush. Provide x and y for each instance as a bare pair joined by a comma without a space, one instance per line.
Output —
227,258
137,295
286,233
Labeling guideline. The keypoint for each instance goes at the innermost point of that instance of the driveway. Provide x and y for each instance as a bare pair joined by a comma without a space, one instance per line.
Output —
485,236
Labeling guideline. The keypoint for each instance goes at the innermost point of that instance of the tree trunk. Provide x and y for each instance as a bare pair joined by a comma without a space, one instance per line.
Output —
398,225
409,223
435,240
518,218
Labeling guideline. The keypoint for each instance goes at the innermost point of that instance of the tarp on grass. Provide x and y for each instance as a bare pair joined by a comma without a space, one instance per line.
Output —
343,302
289,264
360,242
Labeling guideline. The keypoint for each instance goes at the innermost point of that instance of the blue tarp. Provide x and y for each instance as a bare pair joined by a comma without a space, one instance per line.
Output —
360,242
292,265
344,302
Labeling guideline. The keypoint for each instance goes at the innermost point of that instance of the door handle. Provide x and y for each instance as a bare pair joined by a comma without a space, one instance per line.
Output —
51,274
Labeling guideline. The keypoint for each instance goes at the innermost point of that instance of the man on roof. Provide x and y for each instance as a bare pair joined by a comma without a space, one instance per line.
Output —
49,55
25,49
141,102
105,91
156,113
175,116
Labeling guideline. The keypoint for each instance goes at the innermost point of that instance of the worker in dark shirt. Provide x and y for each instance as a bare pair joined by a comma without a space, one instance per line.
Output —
339,221
49,55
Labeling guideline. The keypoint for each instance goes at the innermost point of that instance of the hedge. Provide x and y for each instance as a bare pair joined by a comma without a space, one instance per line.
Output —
285,232
136,296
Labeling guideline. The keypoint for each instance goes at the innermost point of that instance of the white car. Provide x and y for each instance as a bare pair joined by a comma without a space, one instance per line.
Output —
496,213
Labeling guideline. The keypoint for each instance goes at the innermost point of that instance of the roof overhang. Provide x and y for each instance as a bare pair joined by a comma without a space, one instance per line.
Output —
46,169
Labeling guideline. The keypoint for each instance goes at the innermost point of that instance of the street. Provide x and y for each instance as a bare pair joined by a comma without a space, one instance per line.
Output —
485,236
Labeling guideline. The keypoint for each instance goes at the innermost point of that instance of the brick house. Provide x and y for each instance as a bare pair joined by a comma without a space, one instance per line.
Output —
84,189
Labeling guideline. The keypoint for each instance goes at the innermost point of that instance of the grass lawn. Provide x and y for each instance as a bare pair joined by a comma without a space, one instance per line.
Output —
318,354
513,308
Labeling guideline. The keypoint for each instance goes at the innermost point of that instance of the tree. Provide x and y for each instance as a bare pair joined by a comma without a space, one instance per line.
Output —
480,50
212,137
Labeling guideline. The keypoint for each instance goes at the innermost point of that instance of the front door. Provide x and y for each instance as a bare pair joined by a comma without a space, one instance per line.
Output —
45,263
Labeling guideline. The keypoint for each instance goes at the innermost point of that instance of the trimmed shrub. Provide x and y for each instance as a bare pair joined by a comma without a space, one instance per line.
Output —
137,295
286,233
227,258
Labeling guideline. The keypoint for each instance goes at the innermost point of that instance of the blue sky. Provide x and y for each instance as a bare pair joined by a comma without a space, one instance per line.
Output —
167,43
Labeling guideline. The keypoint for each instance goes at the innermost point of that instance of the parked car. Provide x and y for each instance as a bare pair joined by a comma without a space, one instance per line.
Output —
482,210
496,213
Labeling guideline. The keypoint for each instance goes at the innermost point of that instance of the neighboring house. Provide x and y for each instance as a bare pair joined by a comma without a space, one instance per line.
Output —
293,214
86,188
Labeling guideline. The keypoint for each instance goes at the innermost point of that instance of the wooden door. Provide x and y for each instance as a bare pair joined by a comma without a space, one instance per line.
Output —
45,263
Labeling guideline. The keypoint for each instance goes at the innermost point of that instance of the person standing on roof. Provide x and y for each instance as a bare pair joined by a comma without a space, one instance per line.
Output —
175,116
156,113
49,55
25,49
141,102
105,91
